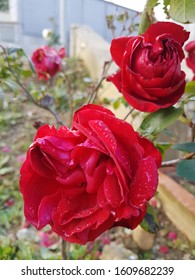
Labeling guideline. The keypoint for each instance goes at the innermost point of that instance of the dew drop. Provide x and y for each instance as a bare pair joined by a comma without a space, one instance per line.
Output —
113,213
78,228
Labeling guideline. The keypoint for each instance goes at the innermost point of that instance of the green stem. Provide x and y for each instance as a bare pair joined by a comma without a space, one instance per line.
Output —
65,250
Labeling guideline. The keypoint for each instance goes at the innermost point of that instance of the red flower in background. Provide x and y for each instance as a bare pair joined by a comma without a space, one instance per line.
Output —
190,60
88,179
172,235
150,75
164,249
47,61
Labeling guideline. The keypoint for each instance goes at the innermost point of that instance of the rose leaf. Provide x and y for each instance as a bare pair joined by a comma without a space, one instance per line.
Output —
150,221
186,169
182,10
159,120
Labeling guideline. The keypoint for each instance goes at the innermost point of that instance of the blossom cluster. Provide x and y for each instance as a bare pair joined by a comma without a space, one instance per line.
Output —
101,173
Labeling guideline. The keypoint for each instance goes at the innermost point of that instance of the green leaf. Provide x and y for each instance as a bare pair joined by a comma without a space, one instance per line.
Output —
193,252
117,103
163,146
5,170
122,17
11,50
166,3
4,73
159,120
190,87
150,5
4,160
182,10
186,169
20,52
147,17
150,221
12,85
186,147
26,73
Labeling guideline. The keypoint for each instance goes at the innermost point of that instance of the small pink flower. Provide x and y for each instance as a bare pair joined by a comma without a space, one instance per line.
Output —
47,238
105,240
172,235
9,202
164,249
26,224
21,158
98,254
6,149
153,202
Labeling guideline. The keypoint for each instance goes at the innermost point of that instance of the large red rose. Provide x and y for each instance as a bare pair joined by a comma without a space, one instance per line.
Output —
88,179
47,61
150,75
190,60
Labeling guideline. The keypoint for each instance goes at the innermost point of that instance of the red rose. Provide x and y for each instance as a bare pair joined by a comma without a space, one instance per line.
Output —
190,60
150,75
47,61
88,179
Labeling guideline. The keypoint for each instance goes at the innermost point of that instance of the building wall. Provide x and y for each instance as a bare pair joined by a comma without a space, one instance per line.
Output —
9,27
92,13
35,14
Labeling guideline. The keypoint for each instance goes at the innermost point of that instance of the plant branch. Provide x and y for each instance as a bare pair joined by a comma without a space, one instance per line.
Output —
130,112
27,93
173,162
93,95
193,132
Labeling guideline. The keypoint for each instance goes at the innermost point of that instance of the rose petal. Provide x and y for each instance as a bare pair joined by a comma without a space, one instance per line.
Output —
112,191
116,80
46,208
33,194
144,184
118,47
172,29
150,150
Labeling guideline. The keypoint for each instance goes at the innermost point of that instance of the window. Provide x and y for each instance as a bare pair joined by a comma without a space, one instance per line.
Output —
4,5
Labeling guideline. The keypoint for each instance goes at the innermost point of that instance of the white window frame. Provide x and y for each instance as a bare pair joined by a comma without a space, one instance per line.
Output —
12,14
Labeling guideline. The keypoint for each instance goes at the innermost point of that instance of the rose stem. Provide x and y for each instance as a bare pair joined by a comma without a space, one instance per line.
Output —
65,250
130,112
175,161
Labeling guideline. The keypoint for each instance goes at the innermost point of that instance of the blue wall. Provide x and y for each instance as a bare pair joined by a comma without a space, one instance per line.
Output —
35,14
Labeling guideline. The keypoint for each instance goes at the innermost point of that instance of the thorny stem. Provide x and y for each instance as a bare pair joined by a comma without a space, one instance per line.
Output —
28,95
173,162
93,95
65,250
